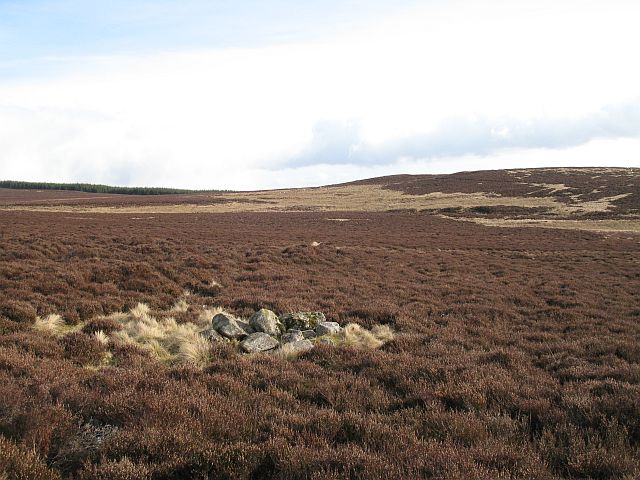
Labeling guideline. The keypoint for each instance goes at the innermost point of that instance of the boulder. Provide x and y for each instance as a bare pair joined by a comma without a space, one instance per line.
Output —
327,328
309,334
246,326
266,321
302,320
227,326
295,348
258,342
292,336
213,336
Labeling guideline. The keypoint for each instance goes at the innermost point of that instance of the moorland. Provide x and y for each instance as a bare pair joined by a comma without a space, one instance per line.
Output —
513,297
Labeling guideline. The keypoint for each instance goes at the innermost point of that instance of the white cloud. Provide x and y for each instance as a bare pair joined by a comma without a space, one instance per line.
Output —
243,118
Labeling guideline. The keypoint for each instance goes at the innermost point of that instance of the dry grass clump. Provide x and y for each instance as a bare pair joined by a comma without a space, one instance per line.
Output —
52,324
140,311
165,338
354,335
196,352
204,317
101,337
181,306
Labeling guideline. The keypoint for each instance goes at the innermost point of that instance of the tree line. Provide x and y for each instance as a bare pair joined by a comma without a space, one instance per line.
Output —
92,188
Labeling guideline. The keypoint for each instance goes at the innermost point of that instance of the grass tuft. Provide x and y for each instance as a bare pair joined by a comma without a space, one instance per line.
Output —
101,337
207,313
140,311
354,335
51,324
196,352
165,338
181,306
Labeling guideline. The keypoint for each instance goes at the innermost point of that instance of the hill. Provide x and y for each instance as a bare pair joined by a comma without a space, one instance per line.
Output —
583,198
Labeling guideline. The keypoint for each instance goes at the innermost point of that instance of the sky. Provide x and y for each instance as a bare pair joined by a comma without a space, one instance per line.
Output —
254,94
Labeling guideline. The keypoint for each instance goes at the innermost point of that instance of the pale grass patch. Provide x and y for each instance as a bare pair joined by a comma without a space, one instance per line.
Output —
140,311
181,306
382,333
52,324
122,336
354,335
206,315
144,329
196,351
157,350
106,360
287,351
614,225
101,337
550,187
166,339
601,205
117,316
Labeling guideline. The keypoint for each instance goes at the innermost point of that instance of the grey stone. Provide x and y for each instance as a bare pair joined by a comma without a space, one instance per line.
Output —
302,320
327,328
213,336
227,326
309,334
266,321
325,341
246,326
258,342
292,336
295,348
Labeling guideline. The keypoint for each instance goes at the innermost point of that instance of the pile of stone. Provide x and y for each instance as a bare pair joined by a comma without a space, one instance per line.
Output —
291,333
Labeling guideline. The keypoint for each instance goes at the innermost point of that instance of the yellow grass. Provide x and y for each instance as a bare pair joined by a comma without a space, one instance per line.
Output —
101,337
51,324
207,314
354,335
628,226
180,306
196,352
164,338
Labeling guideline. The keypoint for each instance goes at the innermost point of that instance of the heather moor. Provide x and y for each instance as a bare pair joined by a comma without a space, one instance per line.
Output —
479,325
302,240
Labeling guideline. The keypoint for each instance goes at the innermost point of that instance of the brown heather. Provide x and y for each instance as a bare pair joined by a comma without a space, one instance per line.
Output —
516,351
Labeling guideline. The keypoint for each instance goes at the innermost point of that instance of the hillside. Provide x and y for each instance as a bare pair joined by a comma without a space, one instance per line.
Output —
583,198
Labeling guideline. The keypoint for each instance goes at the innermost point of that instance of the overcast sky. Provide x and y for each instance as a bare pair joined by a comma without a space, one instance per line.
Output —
251,94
